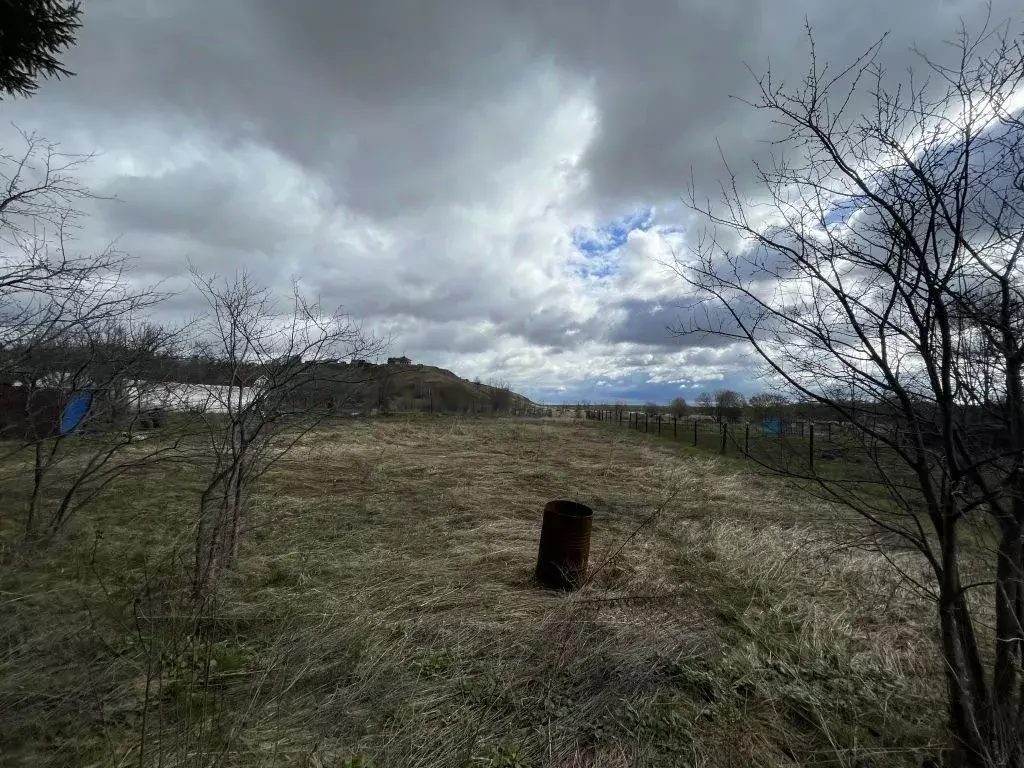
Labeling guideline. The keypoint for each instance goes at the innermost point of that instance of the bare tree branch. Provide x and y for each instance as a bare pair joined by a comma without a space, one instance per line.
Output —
879,275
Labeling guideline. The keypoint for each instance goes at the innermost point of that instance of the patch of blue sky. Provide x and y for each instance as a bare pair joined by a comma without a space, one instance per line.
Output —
611,235
843,210
597,245
637,388
597,266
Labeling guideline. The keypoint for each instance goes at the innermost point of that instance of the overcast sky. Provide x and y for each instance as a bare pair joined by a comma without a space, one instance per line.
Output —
492,183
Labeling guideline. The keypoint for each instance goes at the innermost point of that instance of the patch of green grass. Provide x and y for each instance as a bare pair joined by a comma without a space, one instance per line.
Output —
659,723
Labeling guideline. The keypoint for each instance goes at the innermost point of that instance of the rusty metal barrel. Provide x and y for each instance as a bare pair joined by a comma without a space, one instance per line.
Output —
564,544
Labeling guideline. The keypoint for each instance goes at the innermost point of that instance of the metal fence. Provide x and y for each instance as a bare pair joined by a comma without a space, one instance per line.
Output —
812,439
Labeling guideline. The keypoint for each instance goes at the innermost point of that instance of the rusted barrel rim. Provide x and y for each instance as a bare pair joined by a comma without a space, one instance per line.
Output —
568,508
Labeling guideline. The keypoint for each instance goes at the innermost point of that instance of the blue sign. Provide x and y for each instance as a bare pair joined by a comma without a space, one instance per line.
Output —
75,412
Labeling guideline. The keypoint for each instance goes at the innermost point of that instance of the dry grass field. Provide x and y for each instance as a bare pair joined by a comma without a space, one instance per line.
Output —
384,613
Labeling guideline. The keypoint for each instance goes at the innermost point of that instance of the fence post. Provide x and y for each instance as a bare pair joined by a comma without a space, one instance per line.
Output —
646,419
694,433
810,450
659,423
725,434
675,421
746,440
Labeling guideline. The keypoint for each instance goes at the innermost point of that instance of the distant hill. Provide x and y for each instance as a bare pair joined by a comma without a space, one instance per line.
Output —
398,385
407,386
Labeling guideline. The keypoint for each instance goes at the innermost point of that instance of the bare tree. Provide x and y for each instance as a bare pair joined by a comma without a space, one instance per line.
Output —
500,396
70,334
767,400
47,287
85,401
679,407
706,403
729,405
880,275
281,383
766,403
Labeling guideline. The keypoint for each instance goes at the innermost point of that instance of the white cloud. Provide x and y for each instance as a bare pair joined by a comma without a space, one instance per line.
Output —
426,165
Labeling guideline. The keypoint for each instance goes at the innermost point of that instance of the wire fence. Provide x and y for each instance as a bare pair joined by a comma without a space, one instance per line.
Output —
872,450
773,437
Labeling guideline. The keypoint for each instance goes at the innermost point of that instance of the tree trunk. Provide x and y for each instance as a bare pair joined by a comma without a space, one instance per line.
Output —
1006,675
37,489
965,707
236,508
199,553
209,546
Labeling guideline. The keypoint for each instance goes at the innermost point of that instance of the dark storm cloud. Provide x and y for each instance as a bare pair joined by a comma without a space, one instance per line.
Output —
381,97
201,202
665,72
668,323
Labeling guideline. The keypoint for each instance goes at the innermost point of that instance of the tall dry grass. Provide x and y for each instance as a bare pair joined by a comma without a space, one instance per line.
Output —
384,613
